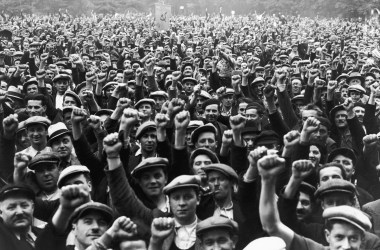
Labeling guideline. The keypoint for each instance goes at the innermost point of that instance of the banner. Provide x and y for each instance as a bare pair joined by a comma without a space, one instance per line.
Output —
162,14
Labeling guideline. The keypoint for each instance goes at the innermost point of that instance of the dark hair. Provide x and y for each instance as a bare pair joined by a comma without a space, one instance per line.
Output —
37,97
330,223
322,150
332,164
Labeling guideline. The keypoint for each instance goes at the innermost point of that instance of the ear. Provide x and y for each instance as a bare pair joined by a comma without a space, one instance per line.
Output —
327,235
44,108
322,205
89,185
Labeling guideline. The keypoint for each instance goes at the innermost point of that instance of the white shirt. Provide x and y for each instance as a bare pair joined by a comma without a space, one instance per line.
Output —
59,101
185,234
227,212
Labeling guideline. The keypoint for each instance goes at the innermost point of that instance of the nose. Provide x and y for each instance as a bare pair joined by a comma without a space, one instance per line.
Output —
345,243
299,206
95,226
19,210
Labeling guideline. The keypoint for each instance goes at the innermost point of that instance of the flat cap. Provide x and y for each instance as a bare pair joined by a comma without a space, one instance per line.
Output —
73,95
205,128
182,181
195,124
16,189
56,130
109,84
217,222
335,185
61,77
357,88
222,168
203,151
267,243
71,170
205,94
92,206
266,137
42,158
189,79
348,214
104,112
228,92
145,100
148,163
257,80
144,127
342,151
159,93
355,75
298,98
37,120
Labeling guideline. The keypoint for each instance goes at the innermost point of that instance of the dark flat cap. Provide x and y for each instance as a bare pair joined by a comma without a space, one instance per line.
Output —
145,127
342,151
182,181
335,185
201,129
222,168
217,222
10,190
42,158
148,163
93,206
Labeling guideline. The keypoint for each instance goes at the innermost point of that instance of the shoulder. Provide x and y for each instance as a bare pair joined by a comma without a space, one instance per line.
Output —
300,242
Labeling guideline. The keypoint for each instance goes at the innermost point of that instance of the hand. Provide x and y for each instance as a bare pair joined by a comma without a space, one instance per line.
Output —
310,125
270,166
182,120
162,228
227,137
176,75
291,139
44,57
88,95
90,77
101,78
112,74
245,72
302,168
40,74
374,87
112,145
130,117
256,154
123,103
348,105
319,84
175,105
10,124
269,92
72,196
21,161
78,115
313,73
332,85
149,66
280,74
237,122
370,140
161,120
94,122
122,229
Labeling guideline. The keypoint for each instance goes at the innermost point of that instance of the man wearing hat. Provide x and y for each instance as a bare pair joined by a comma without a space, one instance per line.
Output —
36,105
16,207
227,99
200,97
345,221
146,106
30,87
160,97
332,191
355,78
60,141
37,131
205,137
212,111
61,83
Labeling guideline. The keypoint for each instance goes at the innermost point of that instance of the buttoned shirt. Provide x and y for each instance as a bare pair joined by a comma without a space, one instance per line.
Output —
185,234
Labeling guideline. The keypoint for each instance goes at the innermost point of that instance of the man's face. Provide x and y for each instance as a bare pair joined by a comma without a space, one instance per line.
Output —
242,108
183,203
77,179
189,87
67,120
218,239
220,185
17,213
304,206
63,146
347,164
49,88
335,199
296,86
359,112
152,181
62,85
35,107
368,81
146,109
344,236
330,173
354,81
252,115
341,118
37,134
47,177
69,101
227,101
320,135
207,140
199,162
32,89
200,101
211,113
22,139
308,113
249,140
89,227
149,141
49,74
3,85
355,96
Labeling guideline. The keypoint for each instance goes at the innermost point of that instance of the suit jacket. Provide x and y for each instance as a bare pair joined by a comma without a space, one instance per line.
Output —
9,241
373,209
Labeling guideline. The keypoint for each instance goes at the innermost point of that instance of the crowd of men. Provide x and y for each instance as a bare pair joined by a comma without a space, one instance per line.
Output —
240,132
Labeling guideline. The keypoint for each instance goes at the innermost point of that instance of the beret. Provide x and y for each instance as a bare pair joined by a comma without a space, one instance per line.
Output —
92,206
148,163
342,151
145,100
217,222
205,128
47,157
266,243
182,181
37,120
16,189
74,169
267,137
335,185
348,214
144,127
222,168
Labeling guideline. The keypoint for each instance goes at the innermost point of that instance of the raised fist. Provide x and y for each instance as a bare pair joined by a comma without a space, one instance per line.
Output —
21,161
371,140
10,124
182,120
90,76
332,85
162,228
78,115
123,103
161,120
176,75
72,196
40,74
112,145
270,166
302,168
122,229
237,122
130,117
269,91
94,122
310,125
348,104
291,138
236,80
256,154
